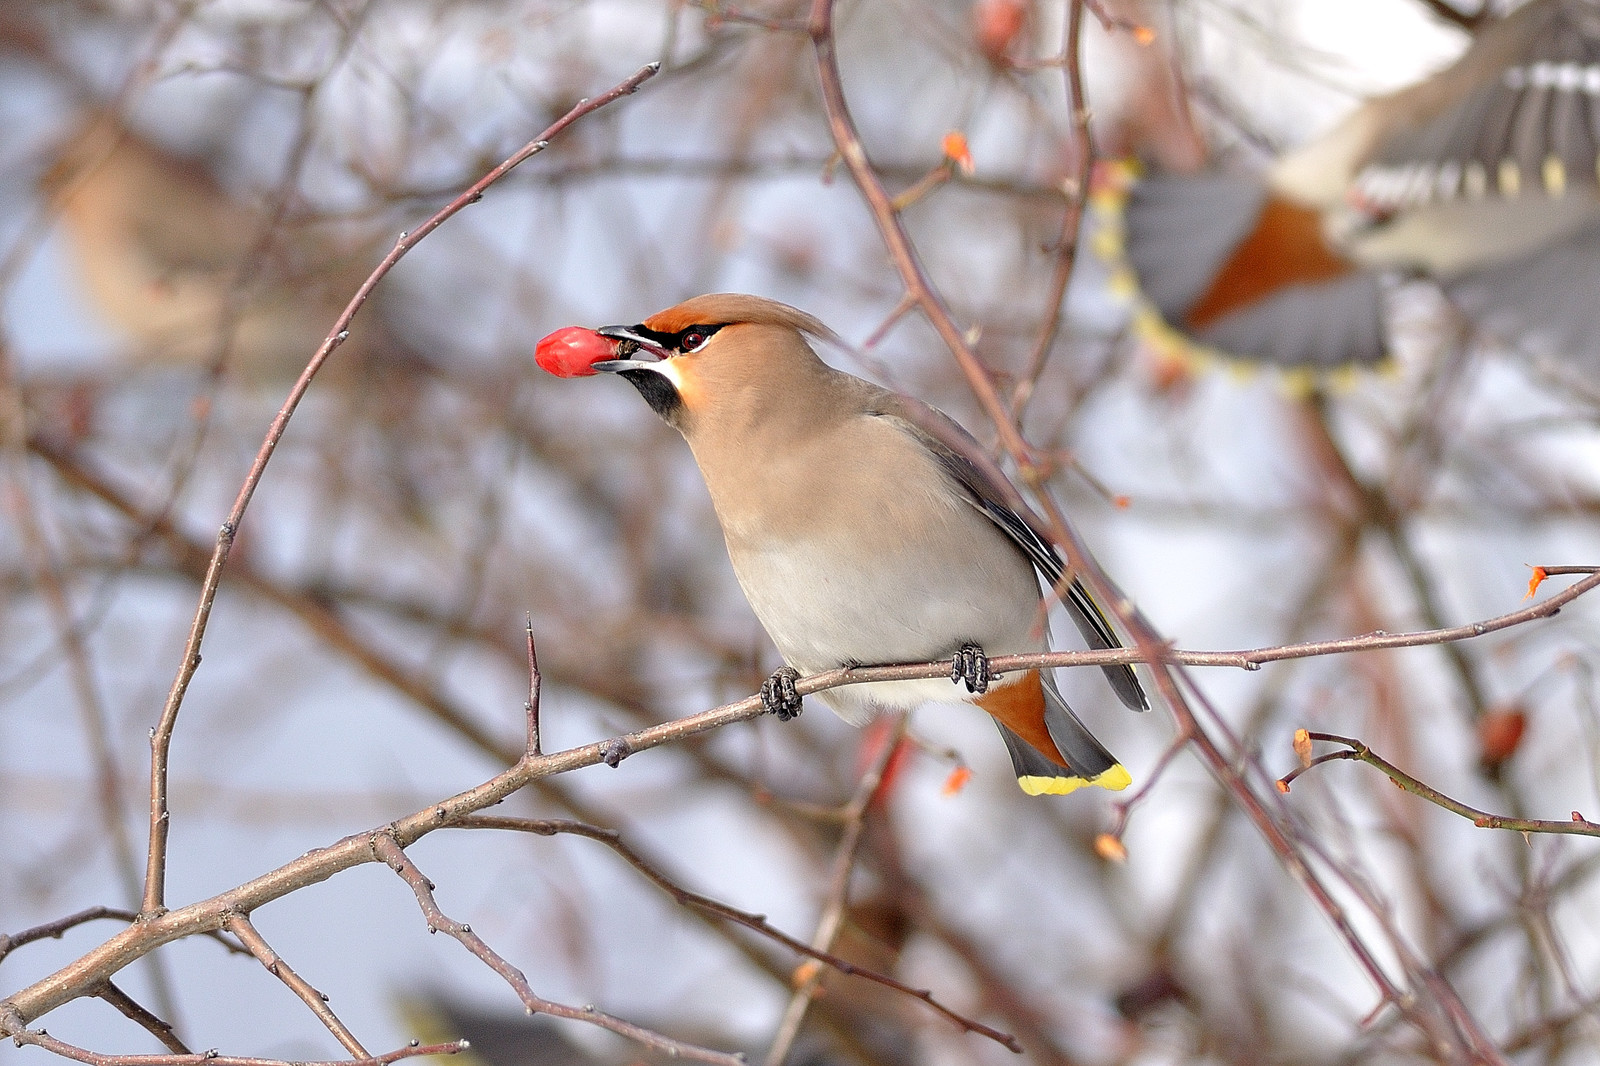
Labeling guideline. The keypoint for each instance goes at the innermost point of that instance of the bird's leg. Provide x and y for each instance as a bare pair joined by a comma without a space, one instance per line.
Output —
971,667
778,695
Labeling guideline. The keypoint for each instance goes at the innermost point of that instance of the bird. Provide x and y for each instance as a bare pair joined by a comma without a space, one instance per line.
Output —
1484,177
864,526
181,266
158,244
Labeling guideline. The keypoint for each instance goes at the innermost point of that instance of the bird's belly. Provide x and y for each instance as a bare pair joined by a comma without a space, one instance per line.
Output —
908,605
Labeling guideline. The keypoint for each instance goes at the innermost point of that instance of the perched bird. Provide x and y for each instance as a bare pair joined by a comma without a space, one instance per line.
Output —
1484,177
864,526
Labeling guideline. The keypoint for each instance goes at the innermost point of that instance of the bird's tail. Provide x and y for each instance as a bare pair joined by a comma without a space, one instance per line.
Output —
1052,752
1248,274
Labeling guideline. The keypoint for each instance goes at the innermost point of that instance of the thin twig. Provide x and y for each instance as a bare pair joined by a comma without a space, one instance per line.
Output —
707,905
54,930
1066,250
136,1012
393,855
161,736
531,708
854,819
40,1039
1358,751
240,926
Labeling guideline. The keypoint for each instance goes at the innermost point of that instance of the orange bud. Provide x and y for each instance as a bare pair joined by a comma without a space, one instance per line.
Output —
995,25
1283,786
1499,734
808,970
1121,503
1534,581
1110,848
1302,747
1171,373
956,150
1144,36
956,781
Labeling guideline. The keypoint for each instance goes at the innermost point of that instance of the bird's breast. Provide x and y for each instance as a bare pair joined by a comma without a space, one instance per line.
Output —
869,554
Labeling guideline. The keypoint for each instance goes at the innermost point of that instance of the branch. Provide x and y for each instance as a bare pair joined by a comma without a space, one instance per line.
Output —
161,737
854,819
40,1039
240,926
54,930
394,856
80,977
1358,751
705,904
895,238
137,1013
1450,13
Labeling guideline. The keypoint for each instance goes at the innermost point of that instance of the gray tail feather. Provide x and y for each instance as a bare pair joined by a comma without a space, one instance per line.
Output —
1086,757
1181,229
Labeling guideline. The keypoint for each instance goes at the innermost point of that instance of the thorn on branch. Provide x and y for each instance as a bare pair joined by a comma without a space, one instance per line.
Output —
531,708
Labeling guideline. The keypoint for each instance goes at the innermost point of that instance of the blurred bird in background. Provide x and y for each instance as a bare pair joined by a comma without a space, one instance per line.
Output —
1484,177
189,273
198,280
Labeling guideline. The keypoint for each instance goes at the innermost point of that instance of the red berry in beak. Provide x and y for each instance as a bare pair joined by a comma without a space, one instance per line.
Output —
571,351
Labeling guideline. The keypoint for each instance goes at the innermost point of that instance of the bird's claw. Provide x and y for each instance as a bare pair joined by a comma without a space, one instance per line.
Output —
971,667
778,694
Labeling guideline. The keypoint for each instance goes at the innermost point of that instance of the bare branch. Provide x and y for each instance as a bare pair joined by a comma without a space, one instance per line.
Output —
1359,752
756,922
240,926
394,856
532,707
853,818
161,736
24,1037
136,1012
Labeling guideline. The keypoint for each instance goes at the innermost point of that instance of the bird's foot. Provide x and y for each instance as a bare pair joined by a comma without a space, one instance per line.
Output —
971,667
778,695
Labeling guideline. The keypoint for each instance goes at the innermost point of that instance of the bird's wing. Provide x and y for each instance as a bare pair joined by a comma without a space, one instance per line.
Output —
1202,245
1529,302
1521,114
988,489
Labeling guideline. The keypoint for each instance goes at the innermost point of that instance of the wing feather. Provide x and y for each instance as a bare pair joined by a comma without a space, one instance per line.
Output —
988,489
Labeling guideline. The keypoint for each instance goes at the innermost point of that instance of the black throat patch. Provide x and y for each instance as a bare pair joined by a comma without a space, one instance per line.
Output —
657,392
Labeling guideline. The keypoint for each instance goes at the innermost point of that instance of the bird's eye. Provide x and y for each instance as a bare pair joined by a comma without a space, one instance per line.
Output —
692,340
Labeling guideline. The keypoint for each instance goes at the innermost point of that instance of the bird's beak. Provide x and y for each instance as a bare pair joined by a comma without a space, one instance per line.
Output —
635,350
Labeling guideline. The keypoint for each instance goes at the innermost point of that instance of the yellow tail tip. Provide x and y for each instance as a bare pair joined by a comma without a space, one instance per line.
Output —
1115,779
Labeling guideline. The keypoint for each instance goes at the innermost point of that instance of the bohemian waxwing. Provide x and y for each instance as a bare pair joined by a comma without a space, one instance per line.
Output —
1483,177
176,263
865,527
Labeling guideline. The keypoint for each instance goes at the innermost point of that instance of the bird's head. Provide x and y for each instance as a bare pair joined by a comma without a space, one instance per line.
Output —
707,352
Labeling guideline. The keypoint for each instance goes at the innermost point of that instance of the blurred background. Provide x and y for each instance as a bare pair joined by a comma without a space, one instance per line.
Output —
191,192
